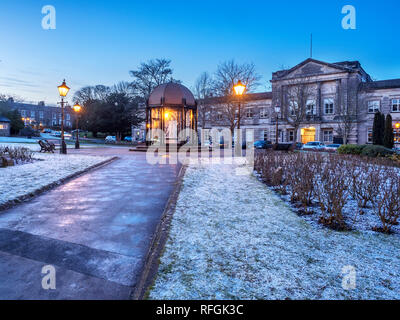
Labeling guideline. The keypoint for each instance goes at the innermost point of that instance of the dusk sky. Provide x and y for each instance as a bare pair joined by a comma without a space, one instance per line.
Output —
98,42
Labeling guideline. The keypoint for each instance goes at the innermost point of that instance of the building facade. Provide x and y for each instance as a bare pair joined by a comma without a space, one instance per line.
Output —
41,116
339,99
4,127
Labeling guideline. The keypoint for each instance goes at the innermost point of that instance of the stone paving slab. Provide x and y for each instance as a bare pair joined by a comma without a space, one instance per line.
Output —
21,279
97,263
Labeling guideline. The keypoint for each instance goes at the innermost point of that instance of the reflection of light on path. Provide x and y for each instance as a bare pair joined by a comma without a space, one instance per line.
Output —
74,219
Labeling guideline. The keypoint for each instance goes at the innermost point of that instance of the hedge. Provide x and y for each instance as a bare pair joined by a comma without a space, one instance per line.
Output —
372,151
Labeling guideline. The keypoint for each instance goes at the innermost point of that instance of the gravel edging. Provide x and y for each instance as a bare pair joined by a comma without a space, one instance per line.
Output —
150,269
12,203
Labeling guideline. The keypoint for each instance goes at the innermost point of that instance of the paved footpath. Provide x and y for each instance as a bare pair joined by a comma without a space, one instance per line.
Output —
95,230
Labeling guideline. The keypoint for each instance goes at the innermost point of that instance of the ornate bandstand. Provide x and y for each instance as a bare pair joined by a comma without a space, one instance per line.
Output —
171,108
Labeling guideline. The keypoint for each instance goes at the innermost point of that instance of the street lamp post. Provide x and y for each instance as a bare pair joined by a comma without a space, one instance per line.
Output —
277,111
239,90
63,90
77,109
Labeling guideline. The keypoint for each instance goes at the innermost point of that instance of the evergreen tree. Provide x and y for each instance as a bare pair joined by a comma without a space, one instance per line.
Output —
16,122
378,129
388,140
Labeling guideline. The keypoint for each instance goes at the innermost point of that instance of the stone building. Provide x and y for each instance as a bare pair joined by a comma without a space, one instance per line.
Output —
41,116
339,104
4,127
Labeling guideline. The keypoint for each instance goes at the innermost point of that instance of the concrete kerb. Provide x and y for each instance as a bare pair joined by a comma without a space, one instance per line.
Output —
150,269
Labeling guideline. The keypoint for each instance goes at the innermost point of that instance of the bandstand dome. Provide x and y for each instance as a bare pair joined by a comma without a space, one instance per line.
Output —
171,94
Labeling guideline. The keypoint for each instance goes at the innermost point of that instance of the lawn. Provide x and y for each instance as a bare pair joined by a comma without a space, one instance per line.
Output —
233,238
26,179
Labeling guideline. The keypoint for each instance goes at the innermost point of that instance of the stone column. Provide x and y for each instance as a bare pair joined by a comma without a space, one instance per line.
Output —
319,102
338,99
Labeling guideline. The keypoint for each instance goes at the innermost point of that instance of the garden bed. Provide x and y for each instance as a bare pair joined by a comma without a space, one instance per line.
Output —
340,192
233,238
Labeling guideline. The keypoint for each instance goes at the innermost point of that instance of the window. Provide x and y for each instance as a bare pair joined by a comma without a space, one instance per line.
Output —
290,135
54,116
396,133
33,115
369,137
374,106
328,136
3,126
68,117
310,110
265,135
219,116
23,113
328,103
68,124
41,114
264,113
396,105
249,113
293,108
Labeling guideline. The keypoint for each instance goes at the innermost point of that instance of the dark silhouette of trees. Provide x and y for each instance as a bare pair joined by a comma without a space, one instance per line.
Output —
388,138
378,129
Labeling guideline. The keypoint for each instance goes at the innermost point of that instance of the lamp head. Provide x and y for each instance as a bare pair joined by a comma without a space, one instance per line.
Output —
239,88
77,108
63,89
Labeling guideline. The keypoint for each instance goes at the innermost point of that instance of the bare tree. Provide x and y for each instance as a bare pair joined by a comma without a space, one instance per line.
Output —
298,93
150,75
226,76
347,122
203,91
90,94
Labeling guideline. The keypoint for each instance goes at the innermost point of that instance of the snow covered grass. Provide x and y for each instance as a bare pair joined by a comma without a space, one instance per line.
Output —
22,180
31,146
232,238
35,146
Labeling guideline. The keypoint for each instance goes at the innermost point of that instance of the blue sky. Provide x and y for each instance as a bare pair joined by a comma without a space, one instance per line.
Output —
98,42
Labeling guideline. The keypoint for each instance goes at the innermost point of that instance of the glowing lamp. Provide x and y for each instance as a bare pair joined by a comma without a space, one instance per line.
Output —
77,108
239,88
397,125
63,89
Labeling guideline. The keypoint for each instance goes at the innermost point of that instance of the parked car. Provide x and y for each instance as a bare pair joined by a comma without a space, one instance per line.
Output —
128,139
314,146
298,146
56,134
332,147
261,144
111,139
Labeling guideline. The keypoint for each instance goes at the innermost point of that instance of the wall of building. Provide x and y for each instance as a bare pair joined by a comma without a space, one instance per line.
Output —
44,116
335,82
4,129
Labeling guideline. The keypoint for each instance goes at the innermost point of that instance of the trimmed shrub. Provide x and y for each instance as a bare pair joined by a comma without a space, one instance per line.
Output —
29,132
376,151
353,149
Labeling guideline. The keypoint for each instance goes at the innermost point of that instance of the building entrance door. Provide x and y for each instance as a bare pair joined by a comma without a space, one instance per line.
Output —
308,135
